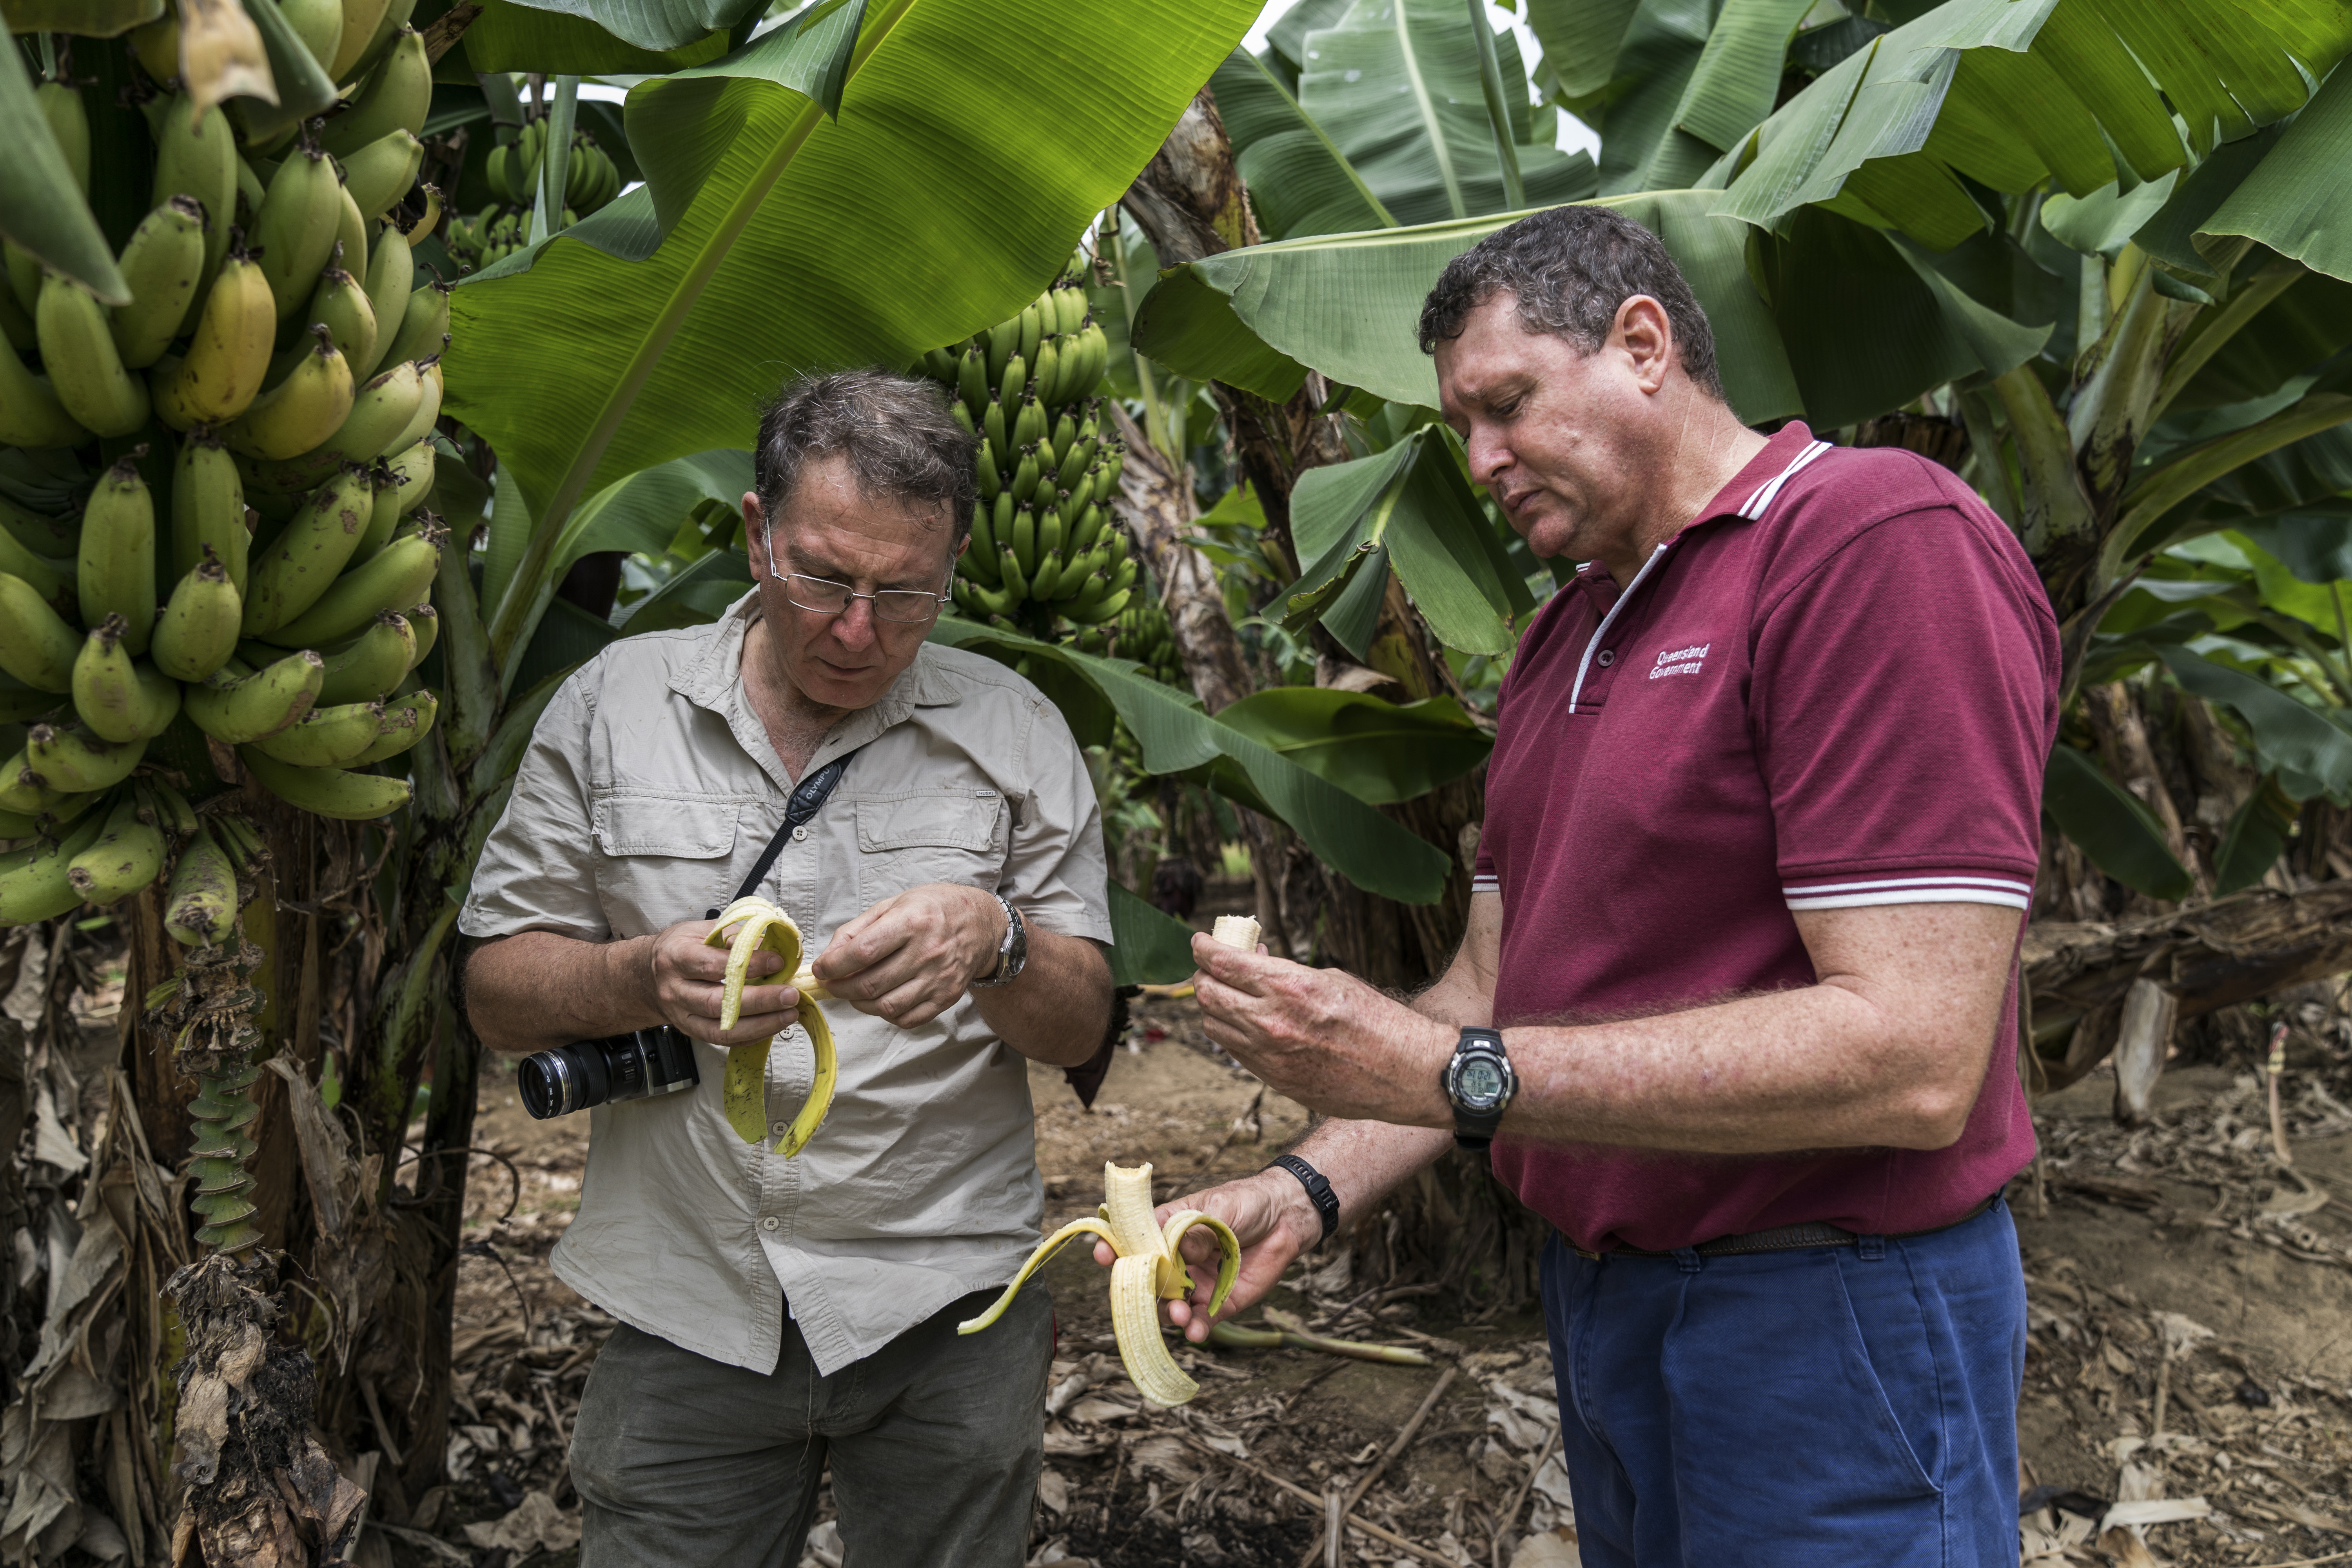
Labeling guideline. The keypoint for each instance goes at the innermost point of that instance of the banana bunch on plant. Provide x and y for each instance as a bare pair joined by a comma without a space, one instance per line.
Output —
1140,632
590,178
1044,547
251,559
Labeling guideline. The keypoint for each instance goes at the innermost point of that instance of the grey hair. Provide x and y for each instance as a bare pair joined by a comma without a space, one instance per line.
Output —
1570,269
895,431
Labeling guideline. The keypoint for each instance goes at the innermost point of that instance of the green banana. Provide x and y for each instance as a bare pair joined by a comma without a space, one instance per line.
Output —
72,759
405,722
392,273
1024,476
972,381
411,466
379,173
395,16
1049,373
1065,434
425,622
424,323
1029,425
372,664
428,407
1023,542
327,791
197,630
1106,609
399,575
342,306
1075,461
238,706
117,698
299,411
303,561
162,263
37,645
397,97
61,106
295,232
361,19
1008,569
1052,531
383,512
200,905
50,578
172,808
250,193
1048,578
326,737
318,24
117,559
30,414
1002,339
992,483
208,509
34,884
125,856
993,423
1015,378
86,372
49,537
228,350
1033,329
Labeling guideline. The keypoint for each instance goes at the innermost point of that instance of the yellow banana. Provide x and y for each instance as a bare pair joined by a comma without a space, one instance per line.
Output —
228,353
396,98
85,369
761,924
1149,1270
162,262
295,232
300,411
342,306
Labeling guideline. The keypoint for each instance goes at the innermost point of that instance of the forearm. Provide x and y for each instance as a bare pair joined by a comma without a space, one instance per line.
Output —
533,990
1057,1009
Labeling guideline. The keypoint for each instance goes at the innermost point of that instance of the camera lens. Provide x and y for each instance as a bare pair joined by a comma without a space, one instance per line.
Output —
565,1080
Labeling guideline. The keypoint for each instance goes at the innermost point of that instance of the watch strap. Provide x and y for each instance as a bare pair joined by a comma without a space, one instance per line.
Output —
1318,1191
1475,1129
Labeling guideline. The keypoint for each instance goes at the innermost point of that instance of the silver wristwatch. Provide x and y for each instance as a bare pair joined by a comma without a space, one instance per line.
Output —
1011,953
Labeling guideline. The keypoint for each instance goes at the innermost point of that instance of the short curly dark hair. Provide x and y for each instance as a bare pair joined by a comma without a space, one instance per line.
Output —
1569,269
902,442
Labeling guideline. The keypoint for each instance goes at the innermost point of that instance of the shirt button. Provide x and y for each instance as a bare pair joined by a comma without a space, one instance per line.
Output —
778,1128
1608,657
769,1223
800,835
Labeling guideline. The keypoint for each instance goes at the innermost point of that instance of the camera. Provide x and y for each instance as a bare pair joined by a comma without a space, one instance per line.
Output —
634,1066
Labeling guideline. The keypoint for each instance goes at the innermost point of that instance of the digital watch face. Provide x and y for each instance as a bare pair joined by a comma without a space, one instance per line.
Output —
1479,1083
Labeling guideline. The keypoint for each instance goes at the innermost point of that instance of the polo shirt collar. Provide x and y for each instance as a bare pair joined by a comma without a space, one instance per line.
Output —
1758,484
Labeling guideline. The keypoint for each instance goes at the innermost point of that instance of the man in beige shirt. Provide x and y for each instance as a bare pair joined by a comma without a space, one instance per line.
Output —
782,1316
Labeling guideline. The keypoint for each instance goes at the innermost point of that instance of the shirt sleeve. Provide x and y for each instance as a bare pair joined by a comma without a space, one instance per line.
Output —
1055,867
535,872
1904,699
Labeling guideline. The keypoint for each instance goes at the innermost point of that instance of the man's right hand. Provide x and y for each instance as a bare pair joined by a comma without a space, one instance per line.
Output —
688,980
1270,1214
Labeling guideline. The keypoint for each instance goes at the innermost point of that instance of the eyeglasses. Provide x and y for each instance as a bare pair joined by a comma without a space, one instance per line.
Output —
821,596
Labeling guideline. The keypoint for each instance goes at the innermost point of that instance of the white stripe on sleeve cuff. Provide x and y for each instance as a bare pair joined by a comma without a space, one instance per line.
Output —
1863,892
1485,884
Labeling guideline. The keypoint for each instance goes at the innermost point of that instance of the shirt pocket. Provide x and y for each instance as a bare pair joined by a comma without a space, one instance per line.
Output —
661,857
911,838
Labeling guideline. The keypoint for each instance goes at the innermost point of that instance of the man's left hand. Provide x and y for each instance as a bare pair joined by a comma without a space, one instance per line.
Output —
912,956
1323,1037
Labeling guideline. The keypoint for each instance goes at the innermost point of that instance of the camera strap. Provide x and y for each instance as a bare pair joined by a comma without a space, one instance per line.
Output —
806,800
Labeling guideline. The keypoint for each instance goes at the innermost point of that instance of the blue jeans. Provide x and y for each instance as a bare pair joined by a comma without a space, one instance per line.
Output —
1816,1409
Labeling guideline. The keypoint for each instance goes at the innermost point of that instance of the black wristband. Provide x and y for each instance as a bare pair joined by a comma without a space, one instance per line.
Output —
1318,1191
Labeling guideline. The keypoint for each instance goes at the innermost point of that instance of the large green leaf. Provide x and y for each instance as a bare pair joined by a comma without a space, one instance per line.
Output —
1147,947
655,24
998,129
1396,86
2111,826
2012,92
1691,77
511,36
2293,200
2311,753
1300,183
1347,305
1376,750
2254,840
1177,737
40,208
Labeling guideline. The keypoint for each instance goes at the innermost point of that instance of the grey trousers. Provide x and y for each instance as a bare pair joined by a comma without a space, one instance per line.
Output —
934,1442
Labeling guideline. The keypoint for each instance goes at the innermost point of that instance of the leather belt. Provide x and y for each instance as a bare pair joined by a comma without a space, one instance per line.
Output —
1783,1238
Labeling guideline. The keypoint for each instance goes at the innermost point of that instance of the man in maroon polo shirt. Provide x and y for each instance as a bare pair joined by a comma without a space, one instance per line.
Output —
1737,1002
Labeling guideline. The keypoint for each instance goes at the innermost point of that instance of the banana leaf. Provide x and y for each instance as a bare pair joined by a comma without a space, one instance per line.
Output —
2254,840
1581,40
1691,77
509,36
2111,826
1003,125
2311,753
2293,200
656,24
84,19
1347,305
1147,947
40,208
1177,737
1300,183
1376,750
1396,86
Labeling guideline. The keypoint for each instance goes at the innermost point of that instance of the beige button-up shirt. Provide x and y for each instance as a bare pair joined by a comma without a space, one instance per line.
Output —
649,790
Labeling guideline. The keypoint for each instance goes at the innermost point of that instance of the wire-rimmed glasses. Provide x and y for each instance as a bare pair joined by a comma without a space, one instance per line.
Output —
823,596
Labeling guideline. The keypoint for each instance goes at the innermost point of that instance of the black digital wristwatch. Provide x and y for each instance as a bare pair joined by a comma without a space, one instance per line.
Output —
1479,1084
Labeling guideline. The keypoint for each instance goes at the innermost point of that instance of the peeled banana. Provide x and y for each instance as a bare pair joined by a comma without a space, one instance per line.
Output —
760,924
1149,1270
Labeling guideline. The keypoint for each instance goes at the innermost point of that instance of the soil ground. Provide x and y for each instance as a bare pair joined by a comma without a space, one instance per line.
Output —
2191,1354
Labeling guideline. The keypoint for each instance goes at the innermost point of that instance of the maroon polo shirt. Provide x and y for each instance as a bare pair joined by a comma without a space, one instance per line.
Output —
1837,687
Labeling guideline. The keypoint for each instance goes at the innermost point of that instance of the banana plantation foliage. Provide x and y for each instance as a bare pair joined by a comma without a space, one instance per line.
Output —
361,377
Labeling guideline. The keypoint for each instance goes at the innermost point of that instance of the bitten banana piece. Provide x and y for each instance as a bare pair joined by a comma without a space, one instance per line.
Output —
1149,1270
126,856
758,924
37,645
1236,931
327,791
86,372
200,905
238,706
116,566
162,263
295,568
117,698
197,630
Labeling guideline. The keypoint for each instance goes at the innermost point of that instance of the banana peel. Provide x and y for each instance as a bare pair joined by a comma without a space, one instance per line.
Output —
1150,1270
761,924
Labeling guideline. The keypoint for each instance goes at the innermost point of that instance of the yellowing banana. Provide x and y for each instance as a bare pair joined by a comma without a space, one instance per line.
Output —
228,352
760,924
300,411
1150,1270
